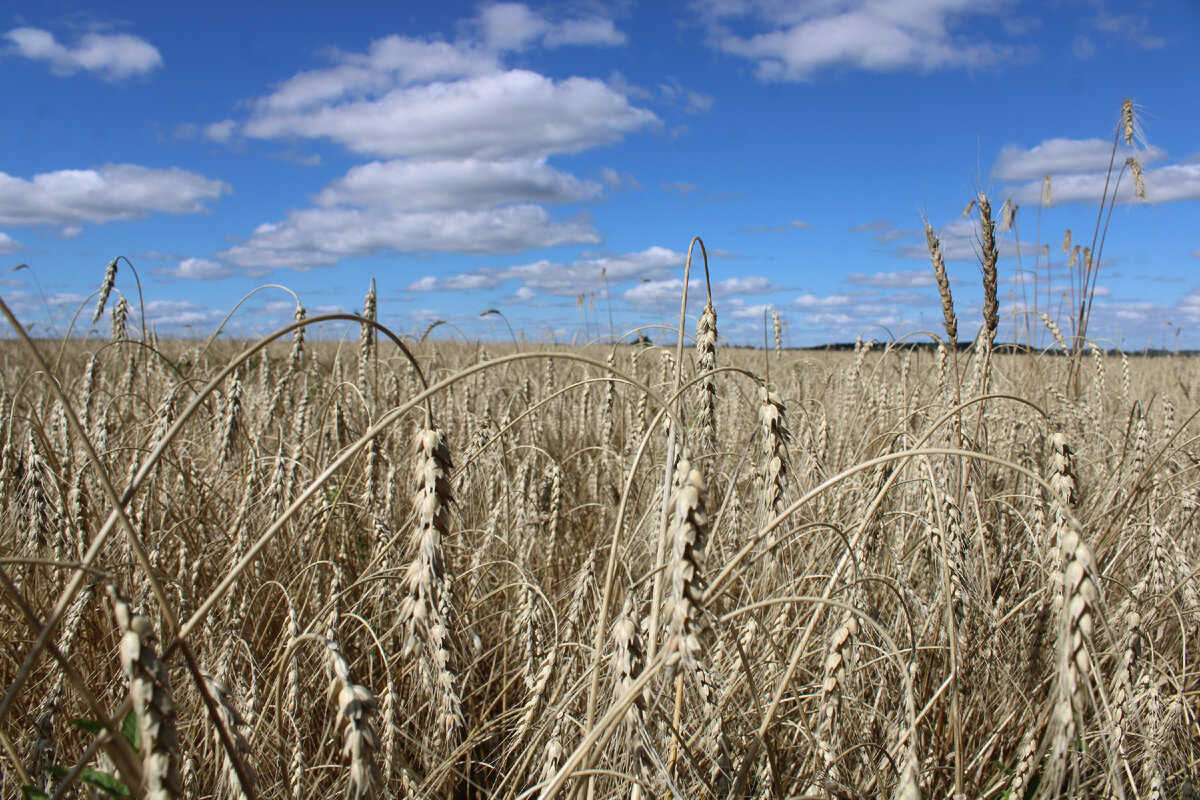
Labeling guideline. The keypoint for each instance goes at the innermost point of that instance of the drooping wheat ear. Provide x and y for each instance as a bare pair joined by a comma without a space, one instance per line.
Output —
1077,596
706,362
777,325
86,391
1156,723
1139,183
150,692
106,286
628,659
1008,215
357,707
1101,387
37,491
988,256
366,338
231,720
1141,442
610,402
1124,700
1047,195
1168,412
231,418
427,610
838,664
967,211
943,282
773,475
1062,499
554,749
120,320
541,661
687,641
1125,379
554,518
1055,331
1027,754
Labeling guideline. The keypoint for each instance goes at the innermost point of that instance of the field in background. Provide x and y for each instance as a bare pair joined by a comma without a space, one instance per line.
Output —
880,572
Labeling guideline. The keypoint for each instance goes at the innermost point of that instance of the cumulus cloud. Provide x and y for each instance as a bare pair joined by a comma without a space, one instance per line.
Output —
71,197
180,314
809,300
1057,156
1078,170
221,132
1166,184
563,278
513,114
9,244
113,56
467,183
618,180
203,269
320,237
461,143
658,291
514,26
902,279
795,41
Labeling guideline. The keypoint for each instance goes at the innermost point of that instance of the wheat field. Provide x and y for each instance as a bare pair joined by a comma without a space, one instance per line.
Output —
426,567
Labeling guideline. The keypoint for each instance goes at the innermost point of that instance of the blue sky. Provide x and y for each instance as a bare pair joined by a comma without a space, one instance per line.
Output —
475,156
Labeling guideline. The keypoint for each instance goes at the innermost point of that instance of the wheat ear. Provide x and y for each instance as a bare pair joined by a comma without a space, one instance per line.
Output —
150,691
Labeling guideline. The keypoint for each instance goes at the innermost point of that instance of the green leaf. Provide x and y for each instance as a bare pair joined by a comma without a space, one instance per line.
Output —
55,770
32,793
131,731
102,780
89,725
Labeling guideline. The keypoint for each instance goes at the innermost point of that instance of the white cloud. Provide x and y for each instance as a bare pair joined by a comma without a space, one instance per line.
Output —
222,132
618,180
671,289
202,269
588,31
795,41
1166,184
809,300
114,56
465,184
510,26
513,114
462,143
320,237
514,26
902,279
9,244
559,278
112,192
1057,156
177,314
